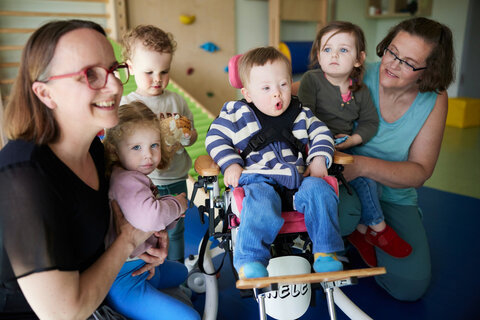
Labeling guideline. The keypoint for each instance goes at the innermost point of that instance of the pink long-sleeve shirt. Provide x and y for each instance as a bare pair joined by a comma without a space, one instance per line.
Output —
137,197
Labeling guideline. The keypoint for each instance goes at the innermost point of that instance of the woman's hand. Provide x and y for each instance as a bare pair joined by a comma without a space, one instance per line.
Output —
352,171
154,256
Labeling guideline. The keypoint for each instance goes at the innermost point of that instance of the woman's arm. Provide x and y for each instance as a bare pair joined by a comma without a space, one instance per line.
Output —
422,157
72,295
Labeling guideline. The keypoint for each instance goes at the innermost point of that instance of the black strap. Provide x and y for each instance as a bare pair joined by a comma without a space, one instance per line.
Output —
268,133
201,255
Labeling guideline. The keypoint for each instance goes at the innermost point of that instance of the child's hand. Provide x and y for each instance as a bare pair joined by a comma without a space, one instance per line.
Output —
351,141
189,138
232,175
317,168
182,199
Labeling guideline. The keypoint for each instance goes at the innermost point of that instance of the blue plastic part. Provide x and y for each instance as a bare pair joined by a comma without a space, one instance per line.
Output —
340,140
210,47
300,53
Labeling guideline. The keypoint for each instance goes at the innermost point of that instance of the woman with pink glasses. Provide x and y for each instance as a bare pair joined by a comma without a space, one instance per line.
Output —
54,209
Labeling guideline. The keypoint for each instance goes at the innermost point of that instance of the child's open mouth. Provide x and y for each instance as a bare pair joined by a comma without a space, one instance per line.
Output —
279,105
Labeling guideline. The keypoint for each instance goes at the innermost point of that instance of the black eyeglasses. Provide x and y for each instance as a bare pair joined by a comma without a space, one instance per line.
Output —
96,77
407,66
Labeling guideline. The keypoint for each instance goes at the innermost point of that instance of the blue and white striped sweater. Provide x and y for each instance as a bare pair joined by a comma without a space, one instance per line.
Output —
230,133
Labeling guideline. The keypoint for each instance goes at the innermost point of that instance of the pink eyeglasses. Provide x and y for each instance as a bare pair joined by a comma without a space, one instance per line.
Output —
96,77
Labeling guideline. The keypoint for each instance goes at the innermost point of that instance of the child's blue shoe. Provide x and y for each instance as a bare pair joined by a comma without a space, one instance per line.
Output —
252,270
326,262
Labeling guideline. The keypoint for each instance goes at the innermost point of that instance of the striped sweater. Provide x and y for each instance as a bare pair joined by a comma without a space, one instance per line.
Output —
230,133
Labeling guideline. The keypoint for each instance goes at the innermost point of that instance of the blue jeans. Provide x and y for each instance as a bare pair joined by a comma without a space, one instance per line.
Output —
368,194
138,298
176,247
261,217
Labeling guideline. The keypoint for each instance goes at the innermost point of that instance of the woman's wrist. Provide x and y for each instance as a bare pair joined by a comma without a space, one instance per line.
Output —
127,241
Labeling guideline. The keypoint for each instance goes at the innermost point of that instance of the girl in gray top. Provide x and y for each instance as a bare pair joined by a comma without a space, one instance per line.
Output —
336,96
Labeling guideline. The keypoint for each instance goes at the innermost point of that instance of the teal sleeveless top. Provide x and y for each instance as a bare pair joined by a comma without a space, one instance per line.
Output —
393,140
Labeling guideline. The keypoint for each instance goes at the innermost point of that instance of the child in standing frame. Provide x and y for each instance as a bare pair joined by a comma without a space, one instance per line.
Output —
148,51
277,165
336,95
134,148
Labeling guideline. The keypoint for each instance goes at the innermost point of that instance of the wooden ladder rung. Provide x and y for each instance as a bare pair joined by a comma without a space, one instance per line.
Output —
9,64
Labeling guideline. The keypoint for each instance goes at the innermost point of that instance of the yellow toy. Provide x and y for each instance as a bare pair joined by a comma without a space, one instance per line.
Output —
187,19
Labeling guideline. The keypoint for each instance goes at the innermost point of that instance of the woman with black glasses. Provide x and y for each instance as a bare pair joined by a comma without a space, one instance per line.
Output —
408,87
54,209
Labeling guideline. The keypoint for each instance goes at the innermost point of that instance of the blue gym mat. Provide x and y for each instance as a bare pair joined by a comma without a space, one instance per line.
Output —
451,222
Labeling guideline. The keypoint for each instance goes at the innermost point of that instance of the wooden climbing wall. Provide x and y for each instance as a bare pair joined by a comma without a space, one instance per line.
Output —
214,22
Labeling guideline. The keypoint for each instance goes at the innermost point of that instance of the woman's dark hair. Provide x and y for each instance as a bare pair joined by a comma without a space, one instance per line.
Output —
26,117
441,62
342,27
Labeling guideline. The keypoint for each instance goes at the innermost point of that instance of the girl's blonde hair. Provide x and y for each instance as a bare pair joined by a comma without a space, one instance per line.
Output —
131,116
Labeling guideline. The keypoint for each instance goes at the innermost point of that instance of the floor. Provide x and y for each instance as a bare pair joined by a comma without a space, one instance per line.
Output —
450,201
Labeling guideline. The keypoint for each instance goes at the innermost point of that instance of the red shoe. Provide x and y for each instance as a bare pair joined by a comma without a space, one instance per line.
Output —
366,250
389,241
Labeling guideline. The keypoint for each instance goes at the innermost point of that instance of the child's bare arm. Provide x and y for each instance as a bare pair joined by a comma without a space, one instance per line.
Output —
352,141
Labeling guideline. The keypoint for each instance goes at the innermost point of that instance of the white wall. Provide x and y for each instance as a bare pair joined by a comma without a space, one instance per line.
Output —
251,21
252,26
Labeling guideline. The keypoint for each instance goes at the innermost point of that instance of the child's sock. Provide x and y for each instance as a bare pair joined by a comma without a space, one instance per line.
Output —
252,270
389,241
365,249
326,262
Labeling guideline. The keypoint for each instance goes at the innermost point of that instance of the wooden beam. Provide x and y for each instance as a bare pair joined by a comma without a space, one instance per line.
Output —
6,81
9,64
2,134
309,278
105,1
53,14
17,30
274,23
30,30
10,48
117,21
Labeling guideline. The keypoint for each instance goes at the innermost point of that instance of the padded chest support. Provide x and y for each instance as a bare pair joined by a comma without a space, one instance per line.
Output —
275,129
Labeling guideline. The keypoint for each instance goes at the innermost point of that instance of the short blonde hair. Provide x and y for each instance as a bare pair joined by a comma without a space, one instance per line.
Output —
259,57
130,116
151,37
